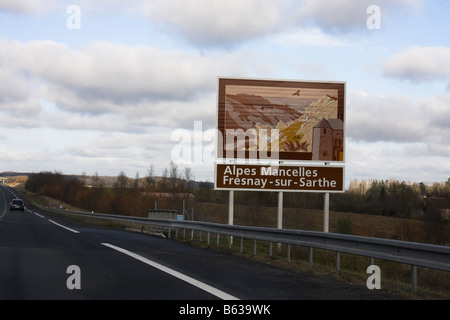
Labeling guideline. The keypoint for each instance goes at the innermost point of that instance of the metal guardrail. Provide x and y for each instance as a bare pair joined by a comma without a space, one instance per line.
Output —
411,253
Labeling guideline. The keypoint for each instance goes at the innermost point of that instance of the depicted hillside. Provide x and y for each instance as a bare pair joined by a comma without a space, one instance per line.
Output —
13,174
295,129
244,111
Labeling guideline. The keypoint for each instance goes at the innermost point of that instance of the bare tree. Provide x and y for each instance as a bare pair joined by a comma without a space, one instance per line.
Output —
163,182
188,177
188,174
136,181
174,177
150,179
121,183
97,182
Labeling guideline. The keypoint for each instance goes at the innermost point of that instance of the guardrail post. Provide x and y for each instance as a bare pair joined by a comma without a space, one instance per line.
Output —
209,235
289,252
254,247
338,262
242,245
310,257
414,279
270,249
218,240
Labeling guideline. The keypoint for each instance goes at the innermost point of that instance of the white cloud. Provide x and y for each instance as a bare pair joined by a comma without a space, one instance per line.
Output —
218,22
112,72
26,6
335,15
412,162
348,15
92,87
222,23
40,7
400,119
109,107
419,64
383,118
309,37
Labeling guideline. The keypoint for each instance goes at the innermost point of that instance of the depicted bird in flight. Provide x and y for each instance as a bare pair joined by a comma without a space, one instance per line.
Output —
297,93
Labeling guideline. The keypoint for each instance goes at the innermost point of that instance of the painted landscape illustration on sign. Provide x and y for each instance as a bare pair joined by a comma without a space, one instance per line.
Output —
286,119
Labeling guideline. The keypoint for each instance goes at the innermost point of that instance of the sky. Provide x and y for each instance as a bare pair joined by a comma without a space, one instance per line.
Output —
104,87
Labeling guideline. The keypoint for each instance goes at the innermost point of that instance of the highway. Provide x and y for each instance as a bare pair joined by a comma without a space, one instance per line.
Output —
53,257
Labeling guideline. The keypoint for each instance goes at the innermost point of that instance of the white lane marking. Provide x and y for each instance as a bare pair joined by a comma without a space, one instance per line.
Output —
40,216
60,225
194,282
4,209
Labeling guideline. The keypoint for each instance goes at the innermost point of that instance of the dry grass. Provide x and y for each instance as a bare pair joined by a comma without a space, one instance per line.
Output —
308,219
432,284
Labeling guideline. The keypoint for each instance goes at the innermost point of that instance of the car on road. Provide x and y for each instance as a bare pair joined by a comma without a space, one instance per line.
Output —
17,204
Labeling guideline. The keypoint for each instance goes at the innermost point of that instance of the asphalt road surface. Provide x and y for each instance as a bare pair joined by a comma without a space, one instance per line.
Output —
52,257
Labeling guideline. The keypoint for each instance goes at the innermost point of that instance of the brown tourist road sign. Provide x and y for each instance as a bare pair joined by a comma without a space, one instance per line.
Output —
279,177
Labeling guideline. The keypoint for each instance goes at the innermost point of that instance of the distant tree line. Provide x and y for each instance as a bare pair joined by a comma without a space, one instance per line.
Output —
127,196
392,197
135,196
389,197
430,203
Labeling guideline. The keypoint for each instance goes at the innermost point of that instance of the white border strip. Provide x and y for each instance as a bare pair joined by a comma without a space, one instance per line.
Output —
192,281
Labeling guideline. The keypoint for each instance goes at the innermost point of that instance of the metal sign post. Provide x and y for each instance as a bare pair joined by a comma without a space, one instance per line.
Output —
280,214
326,209
326,212
280,210
231,211
231,207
